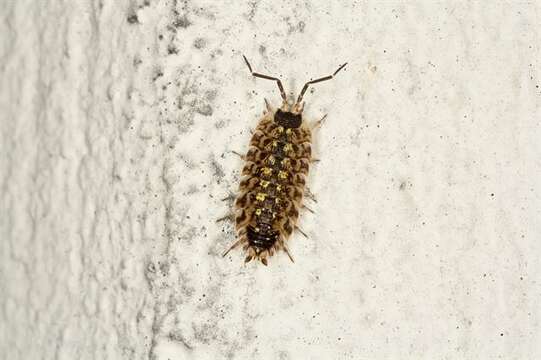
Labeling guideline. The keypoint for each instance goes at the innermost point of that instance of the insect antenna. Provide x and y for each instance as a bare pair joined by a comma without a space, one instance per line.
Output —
329,77
282,92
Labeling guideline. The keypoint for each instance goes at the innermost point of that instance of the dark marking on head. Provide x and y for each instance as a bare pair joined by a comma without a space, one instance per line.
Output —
287,119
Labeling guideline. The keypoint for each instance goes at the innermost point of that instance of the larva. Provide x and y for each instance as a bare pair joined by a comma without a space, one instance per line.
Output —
274,176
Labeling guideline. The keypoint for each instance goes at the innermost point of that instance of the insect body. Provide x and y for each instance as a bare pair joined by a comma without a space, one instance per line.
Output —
274,177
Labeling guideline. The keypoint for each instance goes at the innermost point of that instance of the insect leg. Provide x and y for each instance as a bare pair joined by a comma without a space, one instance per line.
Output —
318,123
288,254
282,92
307,208
239,155
325,78
267,106
230,217
310,195
302,232
229,197
237,243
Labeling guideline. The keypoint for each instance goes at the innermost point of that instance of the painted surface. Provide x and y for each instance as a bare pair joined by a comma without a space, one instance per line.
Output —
117,122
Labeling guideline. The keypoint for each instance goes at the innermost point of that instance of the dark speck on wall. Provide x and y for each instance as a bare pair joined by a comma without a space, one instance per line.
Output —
172,49
217,169
133,19
181,22
157,74
199,43
204,109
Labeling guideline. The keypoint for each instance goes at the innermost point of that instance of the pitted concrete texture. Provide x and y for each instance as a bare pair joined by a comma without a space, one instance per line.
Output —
118,120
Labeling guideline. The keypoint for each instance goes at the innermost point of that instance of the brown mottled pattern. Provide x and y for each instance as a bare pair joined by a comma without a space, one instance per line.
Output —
273,184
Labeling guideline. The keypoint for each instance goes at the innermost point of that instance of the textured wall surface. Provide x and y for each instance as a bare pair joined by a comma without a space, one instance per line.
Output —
117,122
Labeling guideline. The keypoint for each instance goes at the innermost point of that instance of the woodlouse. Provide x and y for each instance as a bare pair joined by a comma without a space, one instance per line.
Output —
276,165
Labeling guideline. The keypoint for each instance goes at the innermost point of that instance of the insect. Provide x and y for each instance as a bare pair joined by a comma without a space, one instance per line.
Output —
273,182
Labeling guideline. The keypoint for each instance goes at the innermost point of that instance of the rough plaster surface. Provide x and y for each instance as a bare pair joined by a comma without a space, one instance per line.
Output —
117,119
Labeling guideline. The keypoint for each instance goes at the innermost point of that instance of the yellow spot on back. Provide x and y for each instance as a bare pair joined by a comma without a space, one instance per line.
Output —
266,171
288,147
279,188
288,131
274,143
261,196
264,183
258,212
282,174
280,129
271,160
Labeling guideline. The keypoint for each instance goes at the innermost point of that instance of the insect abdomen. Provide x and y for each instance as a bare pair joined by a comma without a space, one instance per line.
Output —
271,193
263,238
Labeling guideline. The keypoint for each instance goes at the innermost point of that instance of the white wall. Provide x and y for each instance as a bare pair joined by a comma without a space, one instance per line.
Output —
116,122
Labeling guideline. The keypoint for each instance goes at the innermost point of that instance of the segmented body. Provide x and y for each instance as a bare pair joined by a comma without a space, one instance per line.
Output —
273,184
274,176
